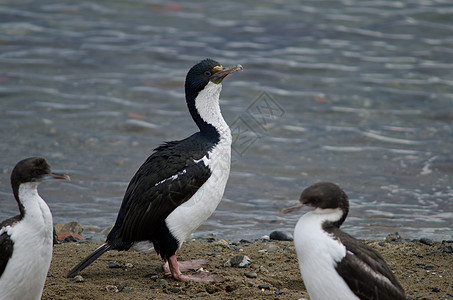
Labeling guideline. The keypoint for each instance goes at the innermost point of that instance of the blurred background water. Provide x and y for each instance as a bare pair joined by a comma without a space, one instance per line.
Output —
359,93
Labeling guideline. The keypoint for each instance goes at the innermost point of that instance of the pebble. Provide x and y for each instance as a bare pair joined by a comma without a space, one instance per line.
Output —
393,237
265,238
78,278
250,274
270,248
155,286
426,241
111,288
114,265
223,243
264,287
211,289
238,261
280,236
162,282
71,227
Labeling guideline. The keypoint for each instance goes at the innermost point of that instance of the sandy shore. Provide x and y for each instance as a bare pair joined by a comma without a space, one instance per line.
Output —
425,271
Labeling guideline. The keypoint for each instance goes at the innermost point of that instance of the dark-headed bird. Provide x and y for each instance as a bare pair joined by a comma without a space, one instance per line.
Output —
26,240
333,264
180,185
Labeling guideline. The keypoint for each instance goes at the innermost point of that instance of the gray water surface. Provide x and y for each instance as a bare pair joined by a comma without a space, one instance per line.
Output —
359,93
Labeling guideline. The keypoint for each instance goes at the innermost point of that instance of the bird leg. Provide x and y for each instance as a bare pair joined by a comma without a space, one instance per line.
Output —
174,268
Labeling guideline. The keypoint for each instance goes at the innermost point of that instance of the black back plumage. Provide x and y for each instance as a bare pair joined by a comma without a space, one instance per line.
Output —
351,268
168,178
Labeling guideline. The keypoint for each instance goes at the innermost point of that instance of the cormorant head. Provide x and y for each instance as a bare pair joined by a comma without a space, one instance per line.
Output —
208,70
33,169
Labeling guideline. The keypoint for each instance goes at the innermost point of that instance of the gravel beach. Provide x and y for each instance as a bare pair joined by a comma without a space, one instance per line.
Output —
269,270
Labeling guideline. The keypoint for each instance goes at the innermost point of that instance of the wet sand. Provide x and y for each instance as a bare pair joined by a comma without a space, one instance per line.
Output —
425,271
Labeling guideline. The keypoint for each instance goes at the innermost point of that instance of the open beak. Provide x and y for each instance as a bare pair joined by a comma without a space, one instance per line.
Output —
218,76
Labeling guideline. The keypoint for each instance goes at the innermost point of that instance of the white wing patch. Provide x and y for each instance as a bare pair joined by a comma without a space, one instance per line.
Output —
174,177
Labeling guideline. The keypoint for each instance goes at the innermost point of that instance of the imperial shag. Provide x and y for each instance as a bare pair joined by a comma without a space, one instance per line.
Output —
180,185
26,240
333,264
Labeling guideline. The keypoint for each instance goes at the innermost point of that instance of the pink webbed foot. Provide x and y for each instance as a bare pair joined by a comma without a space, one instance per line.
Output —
174,268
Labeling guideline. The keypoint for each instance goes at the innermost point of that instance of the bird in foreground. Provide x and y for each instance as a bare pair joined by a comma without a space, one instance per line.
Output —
333,264
26,240
180,185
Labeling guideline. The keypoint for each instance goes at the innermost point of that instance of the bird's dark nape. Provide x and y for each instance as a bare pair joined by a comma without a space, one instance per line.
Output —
89,260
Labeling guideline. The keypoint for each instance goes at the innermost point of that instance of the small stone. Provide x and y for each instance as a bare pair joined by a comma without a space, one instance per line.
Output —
426,241
265,237
239,248
165,291
114,265
111,288
250,274
264,287
155,286
278,292
393,237
222,243
78,278
280,236
270,248
238,261
192,296
429,267
162,282
71,227
129,265
436,290
211,289
175,290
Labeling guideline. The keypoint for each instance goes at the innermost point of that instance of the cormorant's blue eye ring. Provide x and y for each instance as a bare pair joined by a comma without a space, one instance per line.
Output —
207,73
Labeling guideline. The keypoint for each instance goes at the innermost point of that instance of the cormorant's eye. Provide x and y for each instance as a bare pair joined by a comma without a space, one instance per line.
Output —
207,73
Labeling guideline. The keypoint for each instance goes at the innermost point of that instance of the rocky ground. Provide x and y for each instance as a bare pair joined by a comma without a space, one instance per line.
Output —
424,268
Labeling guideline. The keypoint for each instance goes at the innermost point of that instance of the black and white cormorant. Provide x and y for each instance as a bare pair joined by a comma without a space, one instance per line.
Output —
26,240
333,264
180,185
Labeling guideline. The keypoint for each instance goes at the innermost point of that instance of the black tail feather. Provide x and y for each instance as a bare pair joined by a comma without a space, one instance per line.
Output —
89,259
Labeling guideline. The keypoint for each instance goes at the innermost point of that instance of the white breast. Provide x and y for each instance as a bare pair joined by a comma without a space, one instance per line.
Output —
186,218
26,271
318,255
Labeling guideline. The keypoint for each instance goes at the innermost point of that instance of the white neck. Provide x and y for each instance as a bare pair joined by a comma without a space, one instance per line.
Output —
36,209
327,214
207,105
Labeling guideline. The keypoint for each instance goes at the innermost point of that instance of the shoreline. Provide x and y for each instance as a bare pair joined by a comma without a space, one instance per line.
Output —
424,269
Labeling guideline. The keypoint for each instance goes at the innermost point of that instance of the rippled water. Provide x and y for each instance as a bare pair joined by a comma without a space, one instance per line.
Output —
359,93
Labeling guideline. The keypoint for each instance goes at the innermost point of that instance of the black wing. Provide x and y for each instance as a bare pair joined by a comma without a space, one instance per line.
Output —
356,269
6,244
168,178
